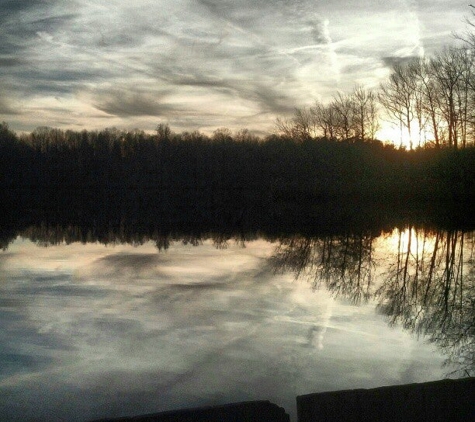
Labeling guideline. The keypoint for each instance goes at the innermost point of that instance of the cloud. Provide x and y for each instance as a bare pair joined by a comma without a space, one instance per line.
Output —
128,263
51,24
130,260
11,8
28,53
8,102
267,98
130,102
391,61
272,100
200,63
21,20
320,33
6,108
11,61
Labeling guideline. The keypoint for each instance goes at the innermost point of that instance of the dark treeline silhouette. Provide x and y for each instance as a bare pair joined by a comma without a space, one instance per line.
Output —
93,162
428,286
132,214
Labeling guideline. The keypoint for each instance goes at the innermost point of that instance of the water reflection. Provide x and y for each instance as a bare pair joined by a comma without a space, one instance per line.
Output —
426,283
423,279
430,290
131,317
344,263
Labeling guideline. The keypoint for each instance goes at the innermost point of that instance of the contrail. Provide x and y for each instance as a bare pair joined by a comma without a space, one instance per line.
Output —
332,55
415,38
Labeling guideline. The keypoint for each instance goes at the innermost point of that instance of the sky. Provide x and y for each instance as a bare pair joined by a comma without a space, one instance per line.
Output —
202,64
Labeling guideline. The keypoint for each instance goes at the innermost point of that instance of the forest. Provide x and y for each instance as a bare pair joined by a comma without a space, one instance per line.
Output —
279,166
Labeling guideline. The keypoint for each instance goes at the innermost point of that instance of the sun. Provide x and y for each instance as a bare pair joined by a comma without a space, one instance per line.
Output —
399,136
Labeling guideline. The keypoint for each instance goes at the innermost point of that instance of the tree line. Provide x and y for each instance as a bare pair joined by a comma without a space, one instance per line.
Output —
348,116
431,100
277,166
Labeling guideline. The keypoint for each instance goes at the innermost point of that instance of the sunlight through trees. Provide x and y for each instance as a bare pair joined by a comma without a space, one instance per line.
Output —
426,101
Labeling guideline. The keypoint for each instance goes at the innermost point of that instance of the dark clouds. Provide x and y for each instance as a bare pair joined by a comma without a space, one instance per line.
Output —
10,61
391,61
9,101
20,22
320,32
126,103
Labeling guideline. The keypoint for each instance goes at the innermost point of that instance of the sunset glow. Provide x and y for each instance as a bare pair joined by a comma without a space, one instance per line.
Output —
399,136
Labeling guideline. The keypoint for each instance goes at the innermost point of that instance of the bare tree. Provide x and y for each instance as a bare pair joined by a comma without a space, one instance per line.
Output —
325,119
365,113
446,73
284,127
427,111
345,116
397,97
453,74
300,126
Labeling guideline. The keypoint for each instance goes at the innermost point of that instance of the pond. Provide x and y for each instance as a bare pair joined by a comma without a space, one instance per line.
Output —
105,327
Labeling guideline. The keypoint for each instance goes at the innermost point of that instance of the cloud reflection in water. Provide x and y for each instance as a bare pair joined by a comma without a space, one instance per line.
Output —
90,331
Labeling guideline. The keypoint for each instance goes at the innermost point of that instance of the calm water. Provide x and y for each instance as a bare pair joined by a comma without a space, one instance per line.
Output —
89,330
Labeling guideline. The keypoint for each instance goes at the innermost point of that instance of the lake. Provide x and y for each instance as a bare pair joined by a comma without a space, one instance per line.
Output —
98,323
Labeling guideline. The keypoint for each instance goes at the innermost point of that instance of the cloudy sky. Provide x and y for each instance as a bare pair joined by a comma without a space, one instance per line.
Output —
201,64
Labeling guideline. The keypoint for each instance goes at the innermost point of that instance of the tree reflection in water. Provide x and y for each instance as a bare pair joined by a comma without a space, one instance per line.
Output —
343,263
431,291
428,286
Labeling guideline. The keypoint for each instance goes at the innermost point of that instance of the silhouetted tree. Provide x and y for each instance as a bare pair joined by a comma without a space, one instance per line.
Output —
398,97
437,93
